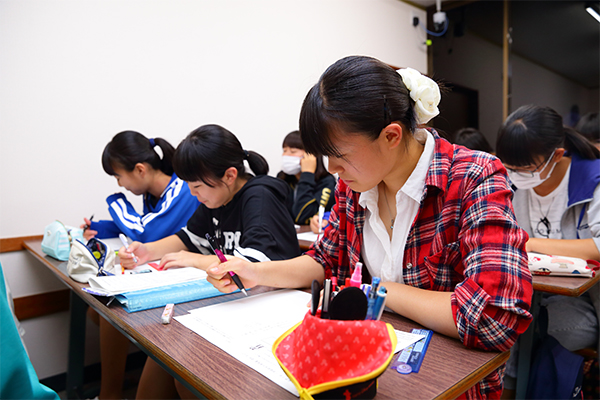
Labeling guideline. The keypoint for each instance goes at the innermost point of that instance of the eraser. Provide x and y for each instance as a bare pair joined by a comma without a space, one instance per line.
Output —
167,313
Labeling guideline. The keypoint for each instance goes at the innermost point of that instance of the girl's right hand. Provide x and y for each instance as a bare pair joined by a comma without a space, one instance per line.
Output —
314,224
87,232
218,274
141,252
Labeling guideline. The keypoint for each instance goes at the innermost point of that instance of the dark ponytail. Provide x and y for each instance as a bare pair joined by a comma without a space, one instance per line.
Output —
589,126
207,152
128,148
532,131
575,142
257,163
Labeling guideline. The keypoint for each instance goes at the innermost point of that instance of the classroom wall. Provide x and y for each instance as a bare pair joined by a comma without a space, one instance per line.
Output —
476,63
75,73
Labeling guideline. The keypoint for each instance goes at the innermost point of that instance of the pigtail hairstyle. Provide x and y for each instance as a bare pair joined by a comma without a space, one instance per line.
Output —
356,94
207,152
532,131
128,148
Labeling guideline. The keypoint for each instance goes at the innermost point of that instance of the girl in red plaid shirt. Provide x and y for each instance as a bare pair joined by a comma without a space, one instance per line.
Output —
434,221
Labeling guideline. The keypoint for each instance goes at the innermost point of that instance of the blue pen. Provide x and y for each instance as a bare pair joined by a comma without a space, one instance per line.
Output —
371,312
374,286
366,289
380,302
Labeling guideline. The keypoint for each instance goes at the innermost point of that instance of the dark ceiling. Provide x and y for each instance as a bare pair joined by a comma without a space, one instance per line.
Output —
559,35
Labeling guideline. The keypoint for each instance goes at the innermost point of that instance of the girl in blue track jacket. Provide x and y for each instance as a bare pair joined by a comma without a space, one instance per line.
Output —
168,204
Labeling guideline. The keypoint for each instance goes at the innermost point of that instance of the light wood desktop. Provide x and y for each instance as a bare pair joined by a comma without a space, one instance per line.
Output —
209,371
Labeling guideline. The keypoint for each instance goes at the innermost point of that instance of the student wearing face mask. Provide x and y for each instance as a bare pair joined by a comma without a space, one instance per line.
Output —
556,172
308,178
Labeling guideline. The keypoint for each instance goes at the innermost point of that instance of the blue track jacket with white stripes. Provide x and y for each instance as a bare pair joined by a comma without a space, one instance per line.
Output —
172,211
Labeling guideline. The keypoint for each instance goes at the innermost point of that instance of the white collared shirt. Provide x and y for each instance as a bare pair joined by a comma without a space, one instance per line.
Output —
384,258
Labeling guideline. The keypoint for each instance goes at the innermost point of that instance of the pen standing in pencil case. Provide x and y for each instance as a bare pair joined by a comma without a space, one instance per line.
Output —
555,172
433,220
143,167
243,210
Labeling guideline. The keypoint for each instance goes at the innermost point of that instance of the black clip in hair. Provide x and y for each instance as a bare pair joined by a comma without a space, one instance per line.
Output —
386,114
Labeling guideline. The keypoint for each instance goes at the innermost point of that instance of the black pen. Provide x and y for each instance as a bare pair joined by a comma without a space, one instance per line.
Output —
86,226
222,258
326,299
315,293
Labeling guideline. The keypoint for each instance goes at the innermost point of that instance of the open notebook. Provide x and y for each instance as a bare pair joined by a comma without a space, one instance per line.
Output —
142,291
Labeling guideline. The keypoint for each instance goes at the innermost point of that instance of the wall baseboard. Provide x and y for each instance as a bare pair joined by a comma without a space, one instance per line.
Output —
16,243
36,305
41,304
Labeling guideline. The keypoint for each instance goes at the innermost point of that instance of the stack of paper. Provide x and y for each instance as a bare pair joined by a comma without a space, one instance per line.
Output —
142,291
117,284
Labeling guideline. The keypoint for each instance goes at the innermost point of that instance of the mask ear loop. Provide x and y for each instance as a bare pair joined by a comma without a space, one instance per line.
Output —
546,165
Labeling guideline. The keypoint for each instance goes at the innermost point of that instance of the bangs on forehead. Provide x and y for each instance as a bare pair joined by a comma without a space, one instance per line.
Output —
190,168
316,127
293,140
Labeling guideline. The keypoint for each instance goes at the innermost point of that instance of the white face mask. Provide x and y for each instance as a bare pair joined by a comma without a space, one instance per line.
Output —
290,165
532,179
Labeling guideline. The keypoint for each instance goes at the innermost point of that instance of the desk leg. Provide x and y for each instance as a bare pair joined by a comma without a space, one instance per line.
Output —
76,346
525,348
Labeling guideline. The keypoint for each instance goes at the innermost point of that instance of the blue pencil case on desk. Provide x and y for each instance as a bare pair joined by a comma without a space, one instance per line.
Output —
161,296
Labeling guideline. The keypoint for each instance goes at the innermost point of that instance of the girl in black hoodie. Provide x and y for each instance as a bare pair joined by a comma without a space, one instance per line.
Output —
247,214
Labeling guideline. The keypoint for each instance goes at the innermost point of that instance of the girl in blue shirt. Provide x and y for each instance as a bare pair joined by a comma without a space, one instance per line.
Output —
134,161
168,204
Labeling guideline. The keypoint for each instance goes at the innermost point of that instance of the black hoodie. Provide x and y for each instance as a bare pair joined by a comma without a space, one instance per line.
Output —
255,224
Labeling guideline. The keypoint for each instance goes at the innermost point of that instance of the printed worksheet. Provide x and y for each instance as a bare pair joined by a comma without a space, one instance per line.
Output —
251,327
311,237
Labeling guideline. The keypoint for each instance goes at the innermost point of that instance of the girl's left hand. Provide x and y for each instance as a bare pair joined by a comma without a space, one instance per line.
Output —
180,259
308,163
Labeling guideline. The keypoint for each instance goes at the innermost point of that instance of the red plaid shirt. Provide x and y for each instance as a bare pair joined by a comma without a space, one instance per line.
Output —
465,239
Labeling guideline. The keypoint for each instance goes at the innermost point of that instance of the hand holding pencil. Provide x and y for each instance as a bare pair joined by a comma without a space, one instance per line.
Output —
217,250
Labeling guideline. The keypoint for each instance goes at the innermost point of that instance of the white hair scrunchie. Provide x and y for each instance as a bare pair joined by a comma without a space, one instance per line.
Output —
424,92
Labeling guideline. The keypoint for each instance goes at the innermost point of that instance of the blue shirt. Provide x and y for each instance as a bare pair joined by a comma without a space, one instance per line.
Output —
170,213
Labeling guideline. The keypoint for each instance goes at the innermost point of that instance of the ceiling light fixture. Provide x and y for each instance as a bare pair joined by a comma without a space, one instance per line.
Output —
593,12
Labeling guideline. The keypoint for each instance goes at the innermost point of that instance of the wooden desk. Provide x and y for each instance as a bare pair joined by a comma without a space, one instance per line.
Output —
209,371
566,286
304,244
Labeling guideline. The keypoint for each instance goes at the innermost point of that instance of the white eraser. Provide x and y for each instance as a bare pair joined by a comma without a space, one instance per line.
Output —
167,313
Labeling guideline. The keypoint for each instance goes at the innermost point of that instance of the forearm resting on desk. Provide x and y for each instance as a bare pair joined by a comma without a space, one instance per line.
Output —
298,272
580,248
429,308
